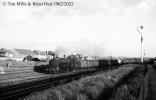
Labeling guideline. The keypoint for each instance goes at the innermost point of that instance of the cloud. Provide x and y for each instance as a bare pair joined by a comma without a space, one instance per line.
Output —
83,8
130,3
92,7
144,7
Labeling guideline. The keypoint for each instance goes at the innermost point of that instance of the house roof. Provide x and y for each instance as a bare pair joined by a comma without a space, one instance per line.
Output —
24,51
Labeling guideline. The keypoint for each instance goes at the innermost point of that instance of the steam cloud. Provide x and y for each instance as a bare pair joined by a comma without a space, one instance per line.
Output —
83,47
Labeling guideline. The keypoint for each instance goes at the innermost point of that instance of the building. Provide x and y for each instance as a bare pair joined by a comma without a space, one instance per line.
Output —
41,54
21,53
5,53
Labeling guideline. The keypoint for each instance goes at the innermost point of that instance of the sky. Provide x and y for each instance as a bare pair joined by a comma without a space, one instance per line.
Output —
90,27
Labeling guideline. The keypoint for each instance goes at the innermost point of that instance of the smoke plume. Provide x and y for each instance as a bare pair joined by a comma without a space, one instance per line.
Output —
83,47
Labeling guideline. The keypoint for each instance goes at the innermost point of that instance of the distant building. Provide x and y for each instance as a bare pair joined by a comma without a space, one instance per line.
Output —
21,53
5,53
41,54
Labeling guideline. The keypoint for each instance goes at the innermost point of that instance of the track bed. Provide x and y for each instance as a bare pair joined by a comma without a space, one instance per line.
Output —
21,86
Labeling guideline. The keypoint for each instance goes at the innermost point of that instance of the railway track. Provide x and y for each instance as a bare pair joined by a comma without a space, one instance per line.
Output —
19,75
14,70
17,90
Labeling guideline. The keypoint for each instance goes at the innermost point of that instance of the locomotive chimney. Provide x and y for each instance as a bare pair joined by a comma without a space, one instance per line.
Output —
64,56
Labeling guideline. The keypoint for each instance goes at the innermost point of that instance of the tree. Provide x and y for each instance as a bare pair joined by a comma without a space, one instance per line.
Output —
85,57
80,56
29,58
37,52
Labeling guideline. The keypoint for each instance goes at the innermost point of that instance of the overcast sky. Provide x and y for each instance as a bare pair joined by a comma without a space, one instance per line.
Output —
106,26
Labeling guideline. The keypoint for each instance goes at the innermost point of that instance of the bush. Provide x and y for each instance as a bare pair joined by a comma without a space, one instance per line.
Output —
131,89
91,91
66,93
82,97
87,88
54,95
